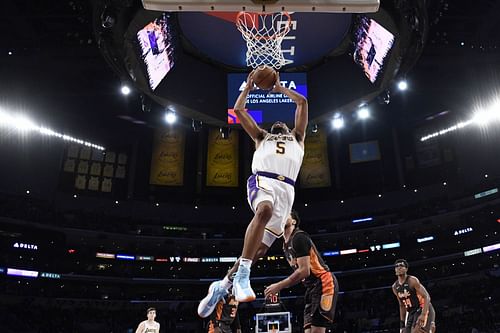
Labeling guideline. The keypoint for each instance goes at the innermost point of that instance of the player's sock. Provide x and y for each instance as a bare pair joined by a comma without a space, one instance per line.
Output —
247,263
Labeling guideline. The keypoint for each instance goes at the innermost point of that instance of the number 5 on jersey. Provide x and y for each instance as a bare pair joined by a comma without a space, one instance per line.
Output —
280,147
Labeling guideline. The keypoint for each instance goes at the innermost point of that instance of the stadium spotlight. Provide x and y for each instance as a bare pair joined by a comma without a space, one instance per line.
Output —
27,191
483,117
402,85
363,113
125,90
338,122
170,117
23,124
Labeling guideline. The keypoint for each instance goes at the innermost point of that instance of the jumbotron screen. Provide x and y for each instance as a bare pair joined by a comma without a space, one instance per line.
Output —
157,49
265,107
372,44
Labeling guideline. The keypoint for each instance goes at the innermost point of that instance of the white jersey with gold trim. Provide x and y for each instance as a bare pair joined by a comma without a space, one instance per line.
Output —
151,328
280,154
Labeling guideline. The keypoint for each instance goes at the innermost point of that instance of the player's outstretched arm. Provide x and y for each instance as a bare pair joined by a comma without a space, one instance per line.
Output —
246,121
303,270
301,112
402,310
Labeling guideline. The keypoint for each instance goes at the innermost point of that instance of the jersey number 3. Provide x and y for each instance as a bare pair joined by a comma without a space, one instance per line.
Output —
280,147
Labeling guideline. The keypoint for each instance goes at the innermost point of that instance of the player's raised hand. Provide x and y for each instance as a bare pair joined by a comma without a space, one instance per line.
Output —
277,85
250,83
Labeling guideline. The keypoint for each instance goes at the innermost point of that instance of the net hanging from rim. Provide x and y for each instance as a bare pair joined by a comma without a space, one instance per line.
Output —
263,34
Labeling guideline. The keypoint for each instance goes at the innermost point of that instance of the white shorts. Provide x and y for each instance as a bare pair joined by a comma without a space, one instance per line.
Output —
280,194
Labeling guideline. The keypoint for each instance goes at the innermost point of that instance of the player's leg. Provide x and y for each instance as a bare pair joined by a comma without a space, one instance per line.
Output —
307,311
255,230
253,238
219,289
266,243
411,323
324,302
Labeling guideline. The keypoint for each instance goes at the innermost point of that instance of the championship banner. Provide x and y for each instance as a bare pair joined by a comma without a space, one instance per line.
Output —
222,159
315,171
167,162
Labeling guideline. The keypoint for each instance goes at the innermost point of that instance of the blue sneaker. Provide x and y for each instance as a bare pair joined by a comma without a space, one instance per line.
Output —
241,285
215,293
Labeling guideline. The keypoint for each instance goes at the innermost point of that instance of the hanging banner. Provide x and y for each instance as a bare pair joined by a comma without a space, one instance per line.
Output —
222,159
167,162
315,171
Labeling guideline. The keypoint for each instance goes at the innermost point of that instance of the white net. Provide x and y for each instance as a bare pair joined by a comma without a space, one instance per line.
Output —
263,34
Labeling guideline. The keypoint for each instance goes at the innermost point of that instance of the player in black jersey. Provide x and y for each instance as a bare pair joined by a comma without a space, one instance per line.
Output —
414,301
321,285
225,316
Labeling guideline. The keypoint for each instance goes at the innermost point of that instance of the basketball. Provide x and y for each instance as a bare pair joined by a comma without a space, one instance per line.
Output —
264,77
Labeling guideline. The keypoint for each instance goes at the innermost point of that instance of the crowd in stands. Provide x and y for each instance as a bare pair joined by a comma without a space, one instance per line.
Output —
464,304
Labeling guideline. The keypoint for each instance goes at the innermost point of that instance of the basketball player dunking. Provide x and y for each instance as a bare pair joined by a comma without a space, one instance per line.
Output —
416,312
150,325
275,167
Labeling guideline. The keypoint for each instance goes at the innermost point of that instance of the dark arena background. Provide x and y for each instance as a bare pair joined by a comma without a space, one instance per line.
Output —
123,167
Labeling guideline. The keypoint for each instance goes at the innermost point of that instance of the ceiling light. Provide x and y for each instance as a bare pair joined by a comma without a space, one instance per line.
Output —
402,85
363,113
338,122
125,90
170,118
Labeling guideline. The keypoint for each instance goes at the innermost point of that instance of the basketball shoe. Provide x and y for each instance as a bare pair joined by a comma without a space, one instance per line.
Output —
215,293
241,285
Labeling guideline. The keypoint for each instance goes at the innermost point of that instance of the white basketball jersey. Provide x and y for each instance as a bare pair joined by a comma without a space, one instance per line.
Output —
280,154
150,328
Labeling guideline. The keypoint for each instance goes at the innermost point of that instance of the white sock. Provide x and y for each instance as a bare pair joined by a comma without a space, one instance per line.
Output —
247,263
226,283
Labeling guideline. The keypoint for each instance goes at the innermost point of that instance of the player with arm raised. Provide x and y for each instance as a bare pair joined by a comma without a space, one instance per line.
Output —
322,288
270,189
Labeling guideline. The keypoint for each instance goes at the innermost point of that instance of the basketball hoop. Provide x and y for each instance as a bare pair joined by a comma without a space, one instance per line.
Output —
263,34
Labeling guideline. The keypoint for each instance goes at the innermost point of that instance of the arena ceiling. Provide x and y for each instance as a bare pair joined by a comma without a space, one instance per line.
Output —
56,67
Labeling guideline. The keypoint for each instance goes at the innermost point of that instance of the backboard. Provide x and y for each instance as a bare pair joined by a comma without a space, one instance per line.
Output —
269,6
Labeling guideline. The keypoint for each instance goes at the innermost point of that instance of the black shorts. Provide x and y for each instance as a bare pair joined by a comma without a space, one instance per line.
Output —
413,316
320,301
